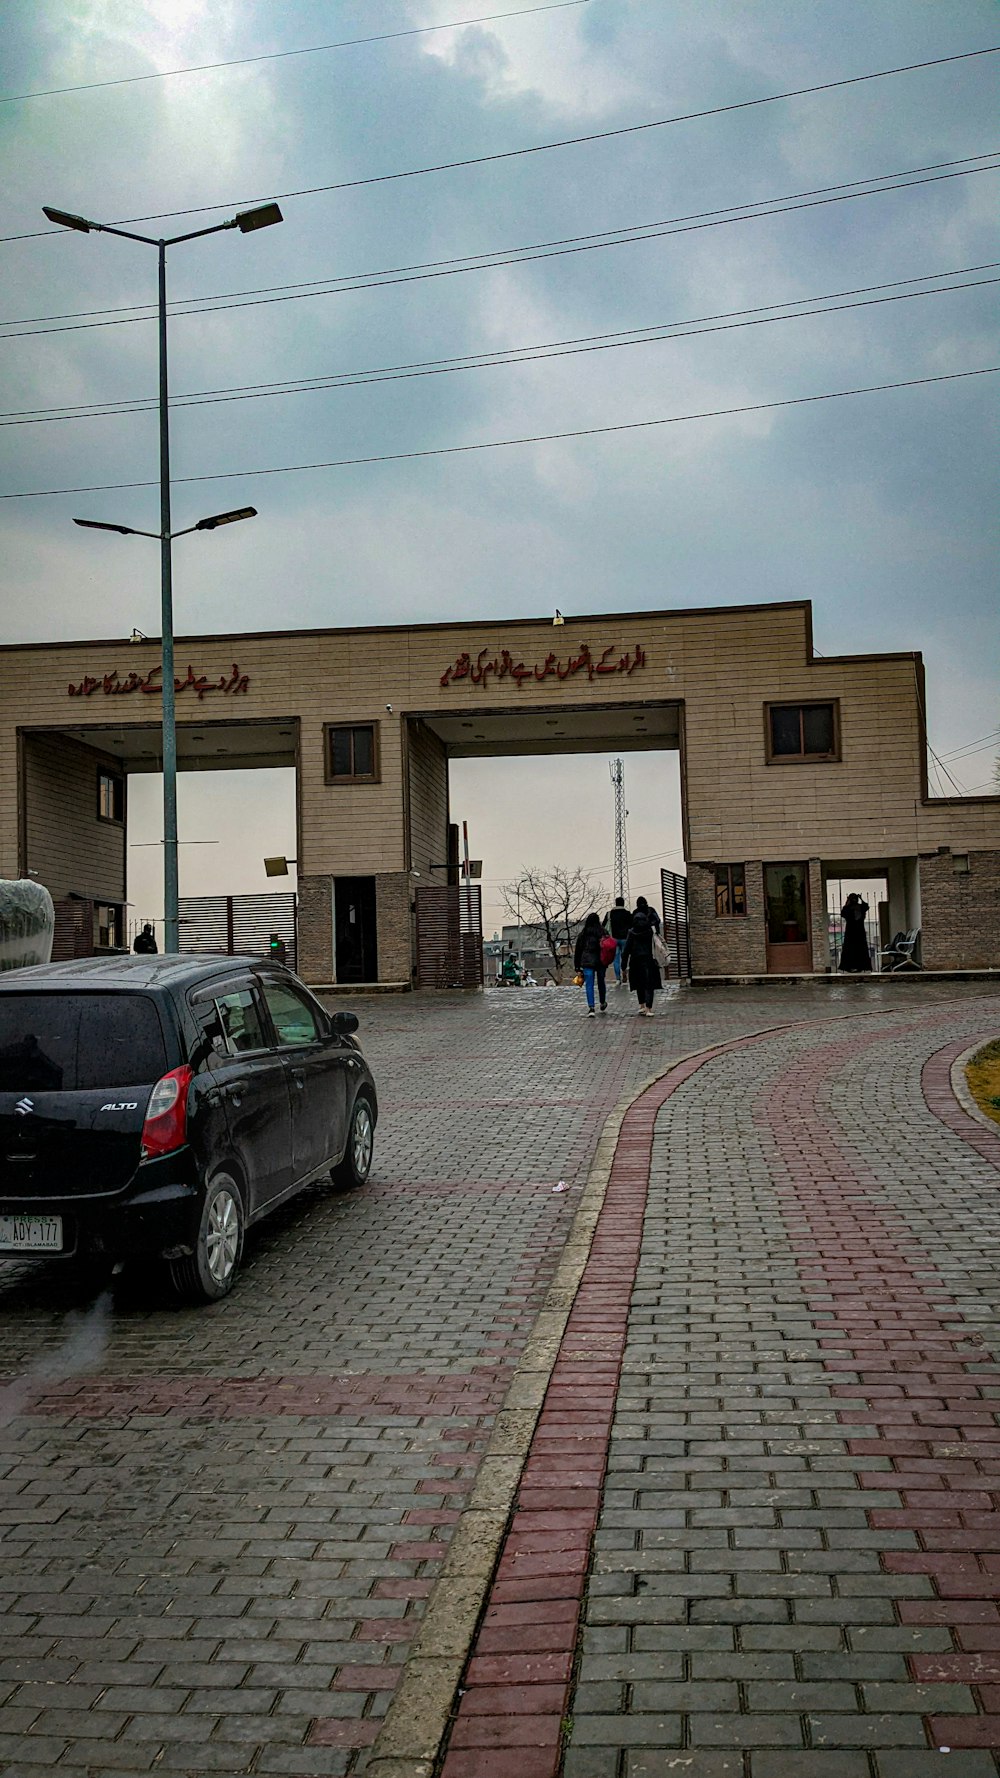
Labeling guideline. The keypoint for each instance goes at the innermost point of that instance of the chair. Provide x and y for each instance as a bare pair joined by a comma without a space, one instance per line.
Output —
900,953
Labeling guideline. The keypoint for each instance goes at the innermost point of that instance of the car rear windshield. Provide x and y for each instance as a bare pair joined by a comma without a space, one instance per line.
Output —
64,1043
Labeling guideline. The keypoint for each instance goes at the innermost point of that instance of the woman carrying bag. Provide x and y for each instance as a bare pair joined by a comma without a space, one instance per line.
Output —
587,961
643,970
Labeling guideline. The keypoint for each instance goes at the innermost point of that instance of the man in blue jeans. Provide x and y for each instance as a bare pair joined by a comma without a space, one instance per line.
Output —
618,920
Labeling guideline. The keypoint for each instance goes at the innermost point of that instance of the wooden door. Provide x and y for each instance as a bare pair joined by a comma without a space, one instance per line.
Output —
786,918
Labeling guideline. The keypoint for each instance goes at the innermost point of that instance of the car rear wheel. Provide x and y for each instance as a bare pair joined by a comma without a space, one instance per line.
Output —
207,1274
356,1165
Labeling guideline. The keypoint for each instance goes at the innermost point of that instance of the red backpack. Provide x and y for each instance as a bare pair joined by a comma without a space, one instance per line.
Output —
609,947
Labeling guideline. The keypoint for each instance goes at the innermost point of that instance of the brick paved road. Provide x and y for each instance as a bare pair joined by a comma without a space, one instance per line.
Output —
794,1569
218,1527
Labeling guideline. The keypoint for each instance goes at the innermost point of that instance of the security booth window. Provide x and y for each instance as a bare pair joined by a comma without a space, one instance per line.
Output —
352,753
730,891
802,731
110,797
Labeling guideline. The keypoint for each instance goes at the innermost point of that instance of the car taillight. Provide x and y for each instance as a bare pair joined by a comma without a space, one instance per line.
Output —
165,1125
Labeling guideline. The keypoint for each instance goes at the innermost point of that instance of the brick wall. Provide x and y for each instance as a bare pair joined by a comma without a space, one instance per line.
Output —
818,919
395,942
960,912
315,929
725,947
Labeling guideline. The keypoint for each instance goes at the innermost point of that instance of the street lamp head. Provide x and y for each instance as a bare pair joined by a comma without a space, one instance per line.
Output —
226,518
99,525
247,220
66,220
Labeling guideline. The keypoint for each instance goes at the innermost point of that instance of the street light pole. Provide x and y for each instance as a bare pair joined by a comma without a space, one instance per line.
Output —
171,898
263,216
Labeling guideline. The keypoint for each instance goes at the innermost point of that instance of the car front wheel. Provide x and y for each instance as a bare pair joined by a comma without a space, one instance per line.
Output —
207,1274
356,1165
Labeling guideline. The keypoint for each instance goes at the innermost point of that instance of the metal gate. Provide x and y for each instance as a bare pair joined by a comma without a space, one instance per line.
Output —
450,936
236,924
674,892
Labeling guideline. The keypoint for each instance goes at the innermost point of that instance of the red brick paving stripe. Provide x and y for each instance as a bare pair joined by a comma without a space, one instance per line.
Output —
858,1265
340,1731
965,1731
506,1732
560,1489
421,1394
363,1678
910,1372
511,1761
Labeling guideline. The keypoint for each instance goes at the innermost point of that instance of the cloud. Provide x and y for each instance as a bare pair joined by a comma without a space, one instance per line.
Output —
877,508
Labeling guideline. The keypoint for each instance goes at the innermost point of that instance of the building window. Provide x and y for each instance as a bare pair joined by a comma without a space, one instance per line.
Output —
730,892
802,731
110,797
352,753
107,926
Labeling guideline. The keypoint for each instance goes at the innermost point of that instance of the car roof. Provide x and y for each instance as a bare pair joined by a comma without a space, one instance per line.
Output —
131,972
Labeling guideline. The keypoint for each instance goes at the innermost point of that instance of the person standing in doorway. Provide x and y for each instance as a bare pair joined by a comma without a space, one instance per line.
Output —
642,907
855,957
144,943
587,960
643,969
618,920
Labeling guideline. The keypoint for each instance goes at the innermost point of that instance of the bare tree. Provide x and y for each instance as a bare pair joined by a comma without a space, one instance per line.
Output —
551,903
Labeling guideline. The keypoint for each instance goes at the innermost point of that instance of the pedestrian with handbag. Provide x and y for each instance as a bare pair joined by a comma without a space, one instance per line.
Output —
643,970
587,962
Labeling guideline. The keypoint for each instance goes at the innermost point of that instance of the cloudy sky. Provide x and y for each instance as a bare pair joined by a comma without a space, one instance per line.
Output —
877,508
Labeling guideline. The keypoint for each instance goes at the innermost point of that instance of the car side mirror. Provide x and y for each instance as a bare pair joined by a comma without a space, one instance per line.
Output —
343,1023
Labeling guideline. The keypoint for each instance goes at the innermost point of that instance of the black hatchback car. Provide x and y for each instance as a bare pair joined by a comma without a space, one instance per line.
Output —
155,1107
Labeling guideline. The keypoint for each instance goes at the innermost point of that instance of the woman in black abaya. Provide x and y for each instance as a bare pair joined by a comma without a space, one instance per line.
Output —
855,956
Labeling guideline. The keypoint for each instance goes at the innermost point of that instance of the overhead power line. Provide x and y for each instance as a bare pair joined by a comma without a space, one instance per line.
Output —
499,444
282,55
983,745
600,237
479,160
496,258
654,334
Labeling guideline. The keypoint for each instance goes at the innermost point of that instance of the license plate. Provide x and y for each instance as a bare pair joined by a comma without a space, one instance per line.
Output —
31,1234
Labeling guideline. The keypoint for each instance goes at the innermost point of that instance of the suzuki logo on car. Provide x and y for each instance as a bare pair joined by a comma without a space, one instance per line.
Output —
24,1106
123,1105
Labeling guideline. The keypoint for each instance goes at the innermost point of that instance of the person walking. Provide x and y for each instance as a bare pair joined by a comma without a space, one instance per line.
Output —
643,970
587,962
618,920
855,957
642,907
144,942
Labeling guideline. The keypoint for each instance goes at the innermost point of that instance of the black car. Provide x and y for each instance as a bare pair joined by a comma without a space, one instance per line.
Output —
157,1106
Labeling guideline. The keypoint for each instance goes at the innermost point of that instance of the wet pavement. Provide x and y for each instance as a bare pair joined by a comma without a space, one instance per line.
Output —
219,1528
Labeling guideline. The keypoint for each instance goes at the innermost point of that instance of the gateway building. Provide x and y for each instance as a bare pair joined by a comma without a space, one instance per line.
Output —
795,770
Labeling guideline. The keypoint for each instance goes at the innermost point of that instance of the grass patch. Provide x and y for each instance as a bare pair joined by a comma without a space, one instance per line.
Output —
983,1076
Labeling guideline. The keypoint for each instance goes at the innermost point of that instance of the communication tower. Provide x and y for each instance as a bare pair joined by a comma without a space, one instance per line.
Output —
621,844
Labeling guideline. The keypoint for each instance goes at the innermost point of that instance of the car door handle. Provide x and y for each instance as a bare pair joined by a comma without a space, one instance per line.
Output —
233,1094
299,1077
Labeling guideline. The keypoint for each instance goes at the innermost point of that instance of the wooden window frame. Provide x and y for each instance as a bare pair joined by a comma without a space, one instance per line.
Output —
110,907
734,912
372,777
801,759
117,779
